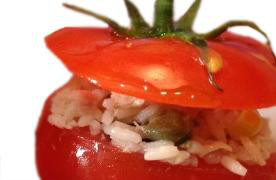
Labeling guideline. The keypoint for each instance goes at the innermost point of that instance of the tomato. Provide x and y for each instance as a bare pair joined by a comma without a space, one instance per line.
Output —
168,70
76,155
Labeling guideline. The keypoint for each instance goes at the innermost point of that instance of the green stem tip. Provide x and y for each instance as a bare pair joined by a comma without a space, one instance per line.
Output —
186,22
110,22
139,26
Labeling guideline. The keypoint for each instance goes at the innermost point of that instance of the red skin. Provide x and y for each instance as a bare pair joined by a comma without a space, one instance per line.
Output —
146,67
58,159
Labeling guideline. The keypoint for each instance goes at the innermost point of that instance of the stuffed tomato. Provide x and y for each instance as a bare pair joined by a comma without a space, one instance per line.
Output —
159,102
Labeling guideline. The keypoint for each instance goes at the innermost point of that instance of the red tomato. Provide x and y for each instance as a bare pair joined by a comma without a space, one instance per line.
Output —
76,155
168,70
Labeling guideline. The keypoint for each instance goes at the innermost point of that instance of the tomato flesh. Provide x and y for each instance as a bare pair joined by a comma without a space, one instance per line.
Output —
168,70
77,155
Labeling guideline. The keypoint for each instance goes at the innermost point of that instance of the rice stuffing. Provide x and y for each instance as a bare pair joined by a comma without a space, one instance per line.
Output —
179,136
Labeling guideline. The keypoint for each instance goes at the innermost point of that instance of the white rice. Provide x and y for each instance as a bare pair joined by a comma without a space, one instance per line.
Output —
253,150
156,144
107,104
98,95
161,153
81,104
233,165
193,147
59,121
95,127
126,146
215,146
125,126
268,113
272,125
85,120
197,148
180,158
146,113
213,158
107,117
123,134
126,113
123,101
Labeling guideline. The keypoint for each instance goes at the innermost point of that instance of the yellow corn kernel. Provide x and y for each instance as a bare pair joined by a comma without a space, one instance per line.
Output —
214,61
249,124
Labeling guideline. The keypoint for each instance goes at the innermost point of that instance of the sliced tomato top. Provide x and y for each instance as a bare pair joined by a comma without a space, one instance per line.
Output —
168,70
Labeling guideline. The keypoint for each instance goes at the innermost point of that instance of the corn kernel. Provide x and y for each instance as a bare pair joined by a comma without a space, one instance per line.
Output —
249,124
214,61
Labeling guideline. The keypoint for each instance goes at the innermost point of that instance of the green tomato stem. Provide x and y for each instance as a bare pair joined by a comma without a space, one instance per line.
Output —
163,22
110,22
139,27
186,22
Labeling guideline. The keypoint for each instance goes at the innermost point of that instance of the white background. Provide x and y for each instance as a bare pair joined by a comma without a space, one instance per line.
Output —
29,72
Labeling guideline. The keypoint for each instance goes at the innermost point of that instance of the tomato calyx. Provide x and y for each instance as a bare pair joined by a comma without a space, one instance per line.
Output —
165,27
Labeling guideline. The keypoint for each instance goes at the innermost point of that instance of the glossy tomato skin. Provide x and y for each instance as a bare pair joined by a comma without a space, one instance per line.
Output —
168,70
76,155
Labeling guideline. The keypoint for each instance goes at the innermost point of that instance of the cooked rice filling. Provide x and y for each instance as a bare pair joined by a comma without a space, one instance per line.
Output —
175,135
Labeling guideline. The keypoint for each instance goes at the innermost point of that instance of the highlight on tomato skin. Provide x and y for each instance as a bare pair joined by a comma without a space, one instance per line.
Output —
169,70
76,155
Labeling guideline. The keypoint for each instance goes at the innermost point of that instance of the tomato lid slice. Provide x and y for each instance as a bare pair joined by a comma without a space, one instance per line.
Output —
168,70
